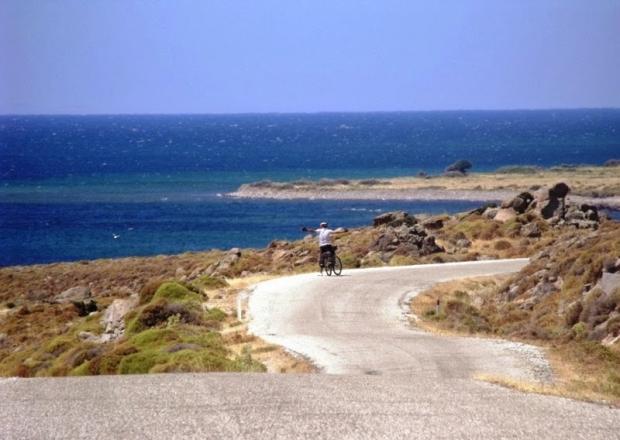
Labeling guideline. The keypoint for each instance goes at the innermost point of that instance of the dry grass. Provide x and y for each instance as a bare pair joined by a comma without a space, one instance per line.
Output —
583,369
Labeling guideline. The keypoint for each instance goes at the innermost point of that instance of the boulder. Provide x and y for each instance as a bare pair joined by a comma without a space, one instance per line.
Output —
74,294
482,209
521,202
433,223
505,214
460,166
609,282
113,321
394,219
490,213
463,243
559,190
530,230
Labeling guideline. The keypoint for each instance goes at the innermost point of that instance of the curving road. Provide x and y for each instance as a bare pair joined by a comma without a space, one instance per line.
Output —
389,382
356,324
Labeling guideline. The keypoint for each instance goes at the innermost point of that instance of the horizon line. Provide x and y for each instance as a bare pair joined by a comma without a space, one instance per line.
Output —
311,112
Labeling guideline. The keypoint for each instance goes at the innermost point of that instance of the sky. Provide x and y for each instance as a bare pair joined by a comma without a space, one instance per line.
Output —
237,56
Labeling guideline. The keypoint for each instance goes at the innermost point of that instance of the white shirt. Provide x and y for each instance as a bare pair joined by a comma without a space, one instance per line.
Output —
325,236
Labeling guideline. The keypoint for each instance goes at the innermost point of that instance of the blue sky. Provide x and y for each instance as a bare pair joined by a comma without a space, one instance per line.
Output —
127,56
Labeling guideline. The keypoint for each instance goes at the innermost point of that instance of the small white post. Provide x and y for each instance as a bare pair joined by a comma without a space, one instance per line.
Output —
242,296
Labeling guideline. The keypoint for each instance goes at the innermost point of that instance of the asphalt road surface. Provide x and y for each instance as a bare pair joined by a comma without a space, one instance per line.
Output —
387,380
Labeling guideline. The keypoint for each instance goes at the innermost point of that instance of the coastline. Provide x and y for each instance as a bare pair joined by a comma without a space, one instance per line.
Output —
598,186
247,192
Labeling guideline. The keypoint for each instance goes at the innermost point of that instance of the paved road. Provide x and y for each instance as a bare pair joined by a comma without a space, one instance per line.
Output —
429,395
355,324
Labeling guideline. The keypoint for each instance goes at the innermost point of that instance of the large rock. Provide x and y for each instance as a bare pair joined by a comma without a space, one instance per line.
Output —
609,282
433,223
113,320
505,214
530,230
559,190
226,263
394,219
74,294
521,202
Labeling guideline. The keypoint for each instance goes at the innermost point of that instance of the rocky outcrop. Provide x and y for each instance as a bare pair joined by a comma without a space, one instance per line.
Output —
225,264
80,297
394,219
406,240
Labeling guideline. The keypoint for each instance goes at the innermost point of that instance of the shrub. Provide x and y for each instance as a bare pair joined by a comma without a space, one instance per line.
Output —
215,314
176,292
502,245
160,311
148,290
207,282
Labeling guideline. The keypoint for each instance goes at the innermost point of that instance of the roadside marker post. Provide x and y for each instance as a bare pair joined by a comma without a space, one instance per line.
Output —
243,296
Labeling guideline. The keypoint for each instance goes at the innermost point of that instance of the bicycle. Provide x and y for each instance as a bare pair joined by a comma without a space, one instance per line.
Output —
334,265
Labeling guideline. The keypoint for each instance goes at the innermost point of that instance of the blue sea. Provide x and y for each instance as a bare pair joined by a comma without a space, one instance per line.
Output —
85,187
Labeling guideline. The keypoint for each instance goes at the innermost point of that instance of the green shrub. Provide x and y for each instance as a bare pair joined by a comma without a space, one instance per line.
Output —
207,282
215,314
175,292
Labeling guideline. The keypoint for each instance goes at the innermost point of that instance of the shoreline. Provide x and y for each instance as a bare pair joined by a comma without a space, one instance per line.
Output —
247,192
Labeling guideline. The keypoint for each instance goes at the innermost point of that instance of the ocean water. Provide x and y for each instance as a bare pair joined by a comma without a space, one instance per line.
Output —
83,187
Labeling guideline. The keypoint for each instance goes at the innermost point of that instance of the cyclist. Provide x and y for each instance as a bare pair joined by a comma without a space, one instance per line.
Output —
325,242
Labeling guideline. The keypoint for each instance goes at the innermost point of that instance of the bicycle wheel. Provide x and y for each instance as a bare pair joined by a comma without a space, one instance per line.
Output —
328,270
337,266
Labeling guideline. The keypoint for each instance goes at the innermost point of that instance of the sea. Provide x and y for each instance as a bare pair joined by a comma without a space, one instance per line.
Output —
87,187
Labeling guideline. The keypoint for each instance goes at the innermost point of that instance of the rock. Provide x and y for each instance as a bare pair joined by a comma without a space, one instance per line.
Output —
611,266
530,230
505,214
521,202
88,337
280,255
543,288
429,246
490,213
340,230
463,243
179,273
394,219
433,223
305,260
559,190
85,308
454,174
612,163
512,292
234,252
460,166
552,207
482,209
583,224
229,260
74,294
609,282
4,338
113,320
